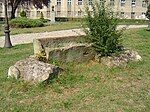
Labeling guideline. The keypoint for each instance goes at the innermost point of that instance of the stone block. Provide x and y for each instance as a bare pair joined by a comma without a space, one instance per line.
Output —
33,71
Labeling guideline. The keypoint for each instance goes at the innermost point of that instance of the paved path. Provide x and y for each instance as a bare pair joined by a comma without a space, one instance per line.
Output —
28,38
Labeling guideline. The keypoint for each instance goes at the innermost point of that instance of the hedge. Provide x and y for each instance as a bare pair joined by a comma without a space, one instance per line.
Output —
25,23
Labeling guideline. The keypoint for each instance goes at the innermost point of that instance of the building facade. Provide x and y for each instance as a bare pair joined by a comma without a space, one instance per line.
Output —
127,9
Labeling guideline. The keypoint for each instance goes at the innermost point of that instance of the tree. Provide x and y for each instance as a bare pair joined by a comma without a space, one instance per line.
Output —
148,15
101,32
23,14
15,3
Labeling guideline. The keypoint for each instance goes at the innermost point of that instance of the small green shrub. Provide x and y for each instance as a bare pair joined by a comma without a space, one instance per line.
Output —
23,14
65,19
61,19
44,20
102,31
148,15
132,21
25,23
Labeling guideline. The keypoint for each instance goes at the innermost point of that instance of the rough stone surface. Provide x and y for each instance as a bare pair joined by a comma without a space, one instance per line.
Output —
71,53
32,70
13,72
38,48
63,49
122,59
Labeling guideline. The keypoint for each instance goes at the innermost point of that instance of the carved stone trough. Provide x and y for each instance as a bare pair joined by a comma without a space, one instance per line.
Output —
63,49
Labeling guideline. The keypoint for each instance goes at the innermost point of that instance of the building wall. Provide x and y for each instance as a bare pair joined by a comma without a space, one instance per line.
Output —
1,9
125,8
76,8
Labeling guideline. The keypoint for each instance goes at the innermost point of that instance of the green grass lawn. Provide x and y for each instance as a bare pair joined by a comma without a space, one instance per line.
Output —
60,26
49,28
90,87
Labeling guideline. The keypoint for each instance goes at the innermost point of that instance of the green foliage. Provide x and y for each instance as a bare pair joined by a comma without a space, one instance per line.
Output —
47,28
61,19
102,31
44,20
25,23
148,16
23,14
65,19
148,12
132,21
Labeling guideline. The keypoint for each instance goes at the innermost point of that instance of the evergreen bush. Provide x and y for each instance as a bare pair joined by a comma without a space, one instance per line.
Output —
148,15
101,31
23,14
25,23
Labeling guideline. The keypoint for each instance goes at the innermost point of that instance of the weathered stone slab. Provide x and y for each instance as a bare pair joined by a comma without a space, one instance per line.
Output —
71,53
63,49
32,70
122,59
54,42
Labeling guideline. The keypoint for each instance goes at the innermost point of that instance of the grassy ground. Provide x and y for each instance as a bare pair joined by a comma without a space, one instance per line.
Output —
89,87
52,27
59,26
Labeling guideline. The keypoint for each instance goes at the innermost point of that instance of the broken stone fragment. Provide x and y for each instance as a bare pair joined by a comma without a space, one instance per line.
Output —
122,59
32,70
13,72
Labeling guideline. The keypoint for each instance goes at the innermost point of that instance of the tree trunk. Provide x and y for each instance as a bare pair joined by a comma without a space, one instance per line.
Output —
149,24
14,6
13,11
8,43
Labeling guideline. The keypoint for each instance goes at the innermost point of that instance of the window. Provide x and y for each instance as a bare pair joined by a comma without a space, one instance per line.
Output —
123,2
112,2
58,13
28,13
0,13
90,2
133,3
69,13
143,13
122,14
48,4
48,14
144,3
9,13
79,13
132,15
9,6
69,2
79,2
38,14
32,14
58,2
1,8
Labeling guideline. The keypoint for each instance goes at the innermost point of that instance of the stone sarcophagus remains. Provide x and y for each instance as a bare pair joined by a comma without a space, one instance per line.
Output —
63,49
